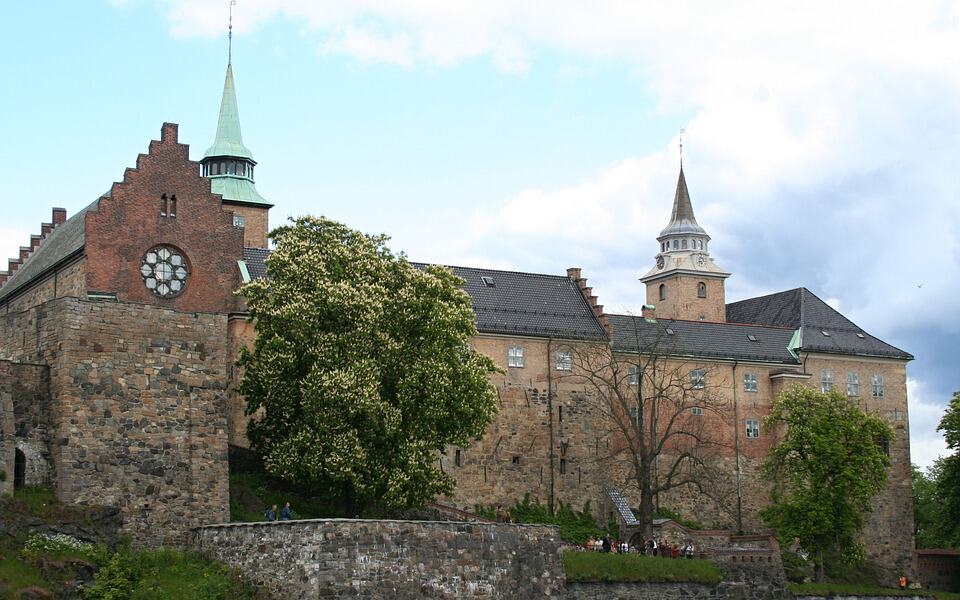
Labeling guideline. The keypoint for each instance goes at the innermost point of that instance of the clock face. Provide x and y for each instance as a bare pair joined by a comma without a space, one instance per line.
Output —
660,262
164,271
702,259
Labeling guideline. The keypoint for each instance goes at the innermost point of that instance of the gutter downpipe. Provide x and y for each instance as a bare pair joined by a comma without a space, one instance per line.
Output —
736,438
550,418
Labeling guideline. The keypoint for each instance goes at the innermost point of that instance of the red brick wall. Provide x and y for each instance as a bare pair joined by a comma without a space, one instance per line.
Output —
128,224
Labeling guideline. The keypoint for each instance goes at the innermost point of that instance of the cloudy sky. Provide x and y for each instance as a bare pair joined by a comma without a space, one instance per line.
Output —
822,143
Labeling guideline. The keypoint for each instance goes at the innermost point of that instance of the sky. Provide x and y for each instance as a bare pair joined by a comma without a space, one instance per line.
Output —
821,144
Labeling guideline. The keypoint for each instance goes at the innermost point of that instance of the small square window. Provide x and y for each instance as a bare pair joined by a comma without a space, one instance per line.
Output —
239,221
853,384
564,361
697,411
515,460
488,281
749,382
753,428
698,379
515,357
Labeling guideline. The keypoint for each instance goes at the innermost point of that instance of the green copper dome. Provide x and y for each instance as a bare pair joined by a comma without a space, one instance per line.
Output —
228,164
229,141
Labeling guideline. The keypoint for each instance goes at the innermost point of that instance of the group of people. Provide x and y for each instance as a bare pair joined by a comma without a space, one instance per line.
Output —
650,547
285,514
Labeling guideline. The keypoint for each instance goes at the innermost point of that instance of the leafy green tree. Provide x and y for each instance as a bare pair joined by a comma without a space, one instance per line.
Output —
926,507
828,466
948,477
361,373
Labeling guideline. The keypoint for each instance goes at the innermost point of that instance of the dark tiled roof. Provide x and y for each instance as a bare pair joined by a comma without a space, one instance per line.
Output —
529,304
702,339
802,309
256,259
515,303
62,242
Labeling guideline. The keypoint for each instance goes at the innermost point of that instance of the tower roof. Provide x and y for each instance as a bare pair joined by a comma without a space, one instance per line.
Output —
682,220
229,142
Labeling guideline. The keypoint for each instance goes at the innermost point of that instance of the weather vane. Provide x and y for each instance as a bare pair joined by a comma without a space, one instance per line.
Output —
682,131
230,34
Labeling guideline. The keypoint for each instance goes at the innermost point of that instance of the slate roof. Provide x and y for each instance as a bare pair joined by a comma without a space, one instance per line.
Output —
702,339
256,259
802,309
516,304
529,304
65,239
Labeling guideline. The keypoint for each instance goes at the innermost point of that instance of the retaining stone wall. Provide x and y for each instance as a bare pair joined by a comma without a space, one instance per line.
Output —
333,558
664,591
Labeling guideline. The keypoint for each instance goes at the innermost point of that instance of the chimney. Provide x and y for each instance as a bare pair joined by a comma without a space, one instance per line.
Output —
12,265
59,216
25,252
45,228
648,311
574,273
3,277
35,241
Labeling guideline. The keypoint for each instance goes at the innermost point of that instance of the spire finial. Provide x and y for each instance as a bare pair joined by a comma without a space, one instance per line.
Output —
682,131
230,34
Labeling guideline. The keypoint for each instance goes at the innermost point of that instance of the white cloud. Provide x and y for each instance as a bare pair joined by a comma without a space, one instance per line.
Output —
926,444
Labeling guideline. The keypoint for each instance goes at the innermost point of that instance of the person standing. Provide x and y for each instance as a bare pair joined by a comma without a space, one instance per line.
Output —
271,513
606,543
287,513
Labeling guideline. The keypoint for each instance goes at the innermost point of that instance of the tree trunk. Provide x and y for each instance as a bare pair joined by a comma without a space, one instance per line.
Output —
820,571
646,500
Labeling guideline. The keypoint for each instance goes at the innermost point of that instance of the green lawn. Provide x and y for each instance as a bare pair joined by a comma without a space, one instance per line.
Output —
843,589
612,567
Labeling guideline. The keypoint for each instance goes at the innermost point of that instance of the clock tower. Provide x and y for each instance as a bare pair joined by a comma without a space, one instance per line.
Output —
685,283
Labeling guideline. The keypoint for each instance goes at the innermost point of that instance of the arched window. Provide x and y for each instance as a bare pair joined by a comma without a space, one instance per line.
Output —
701,290
676,244
683,244
663,292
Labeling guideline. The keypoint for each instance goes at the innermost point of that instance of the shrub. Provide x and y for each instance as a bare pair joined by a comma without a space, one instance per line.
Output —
115,580
44,544
666,513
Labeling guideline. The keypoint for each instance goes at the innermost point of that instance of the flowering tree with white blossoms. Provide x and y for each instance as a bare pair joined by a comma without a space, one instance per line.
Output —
362,372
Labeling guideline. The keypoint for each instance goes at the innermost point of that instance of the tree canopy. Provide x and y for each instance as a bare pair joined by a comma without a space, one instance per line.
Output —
948,475
362,372
830,463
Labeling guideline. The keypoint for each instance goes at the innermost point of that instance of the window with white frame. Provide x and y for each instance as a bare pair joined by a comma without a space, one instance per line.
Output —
749,382
633,376
753,428
826,381
877,385
564,360
698,379
697,411
515,356
239,221
853,384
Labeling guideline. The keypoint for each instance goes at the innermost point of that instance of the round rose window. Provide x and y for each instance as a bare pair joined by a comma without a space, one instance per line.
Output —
164,271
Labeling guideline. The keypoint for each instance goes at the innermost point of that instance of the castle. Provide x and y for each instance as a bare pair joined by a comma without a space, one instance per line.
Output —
119,331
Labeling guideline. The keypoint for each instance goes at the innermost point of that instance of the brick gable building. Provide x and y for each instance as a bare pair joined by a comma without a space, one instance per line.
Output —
119,330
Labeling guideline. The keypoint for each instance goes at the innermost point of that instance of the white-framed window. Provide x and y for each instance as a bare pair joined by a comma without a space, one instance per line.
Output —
753,428
853,384
697,411
564,360
877,385
826,381
749,382
698,379
515,356
633,376
239,221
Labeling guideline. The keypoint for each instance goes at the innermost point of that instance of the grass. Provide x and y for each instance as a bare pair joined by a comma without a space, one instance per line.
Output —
610,567
166,573
16,575
845,589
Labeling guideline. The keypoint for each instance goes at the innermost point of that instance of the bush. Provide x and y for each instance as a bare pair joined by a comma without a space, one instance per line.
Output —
611,567
115,580
58,544
575,528
666,513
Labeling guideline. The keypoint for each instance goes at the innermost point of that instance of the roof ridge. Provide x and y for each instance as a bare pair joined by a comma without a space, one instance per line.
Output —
545,275
796,289
755,325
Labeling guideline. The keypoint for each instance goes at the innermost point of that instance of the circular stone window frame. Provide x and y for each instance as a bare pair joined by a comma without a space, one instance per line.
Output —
148,269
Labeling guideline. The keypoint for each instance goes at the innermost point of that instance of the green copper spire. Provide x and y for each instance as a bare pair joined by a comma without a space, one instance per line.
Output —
228,163
229,142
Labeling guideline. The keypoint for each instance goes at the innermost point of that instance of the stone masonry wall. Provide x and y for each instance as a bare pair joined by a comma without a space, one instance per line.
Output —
391,559
27,388
138,412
